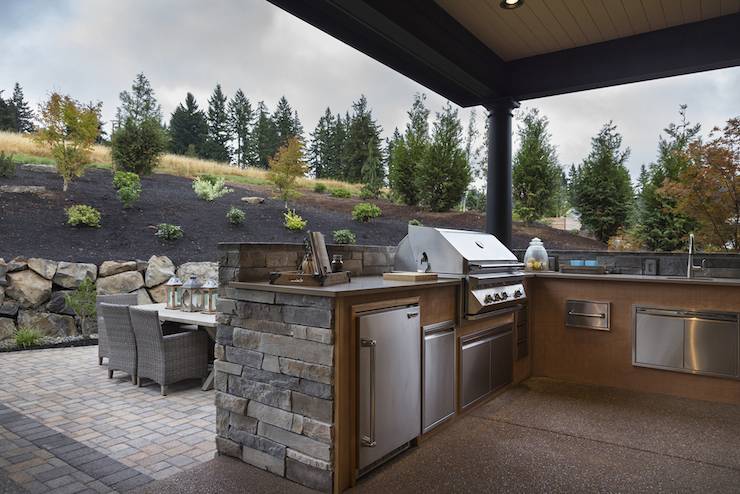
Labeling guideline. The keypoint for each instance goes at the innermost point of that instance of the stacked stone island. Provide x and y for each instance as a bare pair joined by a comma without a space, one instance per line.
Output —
274,383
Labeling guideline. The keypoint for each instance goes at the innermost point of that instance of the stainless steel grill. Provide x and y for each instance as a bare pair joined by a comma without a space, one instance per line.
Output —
491,273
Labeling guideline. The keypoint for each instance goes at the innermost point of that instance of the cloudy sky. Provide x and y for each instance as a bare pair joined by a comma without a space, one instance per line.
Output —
91,49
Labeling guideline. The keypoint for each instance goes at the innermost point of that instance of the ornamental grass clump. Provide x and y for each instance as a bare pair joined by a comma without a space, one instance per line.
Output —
210,187
82,214
364,212
128,187
7,165
168,231
340,193
293,221
27,337
235,216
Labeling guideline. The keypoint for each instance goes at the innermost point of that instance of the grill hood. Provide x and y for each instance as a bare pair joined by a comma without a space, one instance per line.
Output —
452,251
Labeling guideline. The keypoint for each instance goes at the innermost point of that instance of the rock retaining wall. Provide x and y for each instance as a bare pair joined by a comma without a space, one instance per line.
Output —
32,290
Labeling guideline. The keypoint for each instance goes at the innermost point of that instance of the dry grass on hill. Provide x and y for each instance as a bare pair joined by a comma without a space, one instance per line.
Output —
171,164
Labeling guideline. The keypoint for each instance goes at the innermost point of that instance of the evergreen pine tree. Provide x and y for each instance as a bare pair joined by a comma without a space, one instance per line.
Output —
602,190
188,128
140,104
241,119
264,136
444,173
536,174
219,132
286,122
337,139
361,130
319,150
23,114
406,157
661,227
7,114
370,171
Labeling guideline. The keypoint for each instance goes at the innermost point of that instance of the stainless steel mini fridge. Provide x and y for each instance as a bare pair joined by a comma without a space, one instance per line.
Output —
390,383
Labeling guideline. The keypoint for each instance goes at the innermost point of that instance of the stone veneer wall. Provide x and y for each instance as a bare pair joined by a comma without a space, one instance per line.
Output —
274,383
32,290
255,261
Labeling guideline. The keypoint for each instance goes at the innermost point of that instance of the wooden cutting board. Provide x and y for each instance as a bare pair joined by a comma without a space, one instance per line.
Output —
409,276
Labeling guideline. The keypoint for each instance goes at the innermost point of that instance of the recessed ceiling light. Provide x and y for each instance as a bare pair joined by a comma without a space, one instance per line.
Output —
511,4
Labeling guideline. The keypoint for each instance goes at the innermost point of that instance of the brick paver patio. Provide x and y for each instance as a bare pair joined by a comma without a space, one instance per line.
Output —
65,427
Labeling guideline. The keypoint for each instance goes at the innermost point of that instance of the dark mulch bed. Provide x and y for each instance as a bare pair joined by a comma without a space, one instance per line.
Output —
35,226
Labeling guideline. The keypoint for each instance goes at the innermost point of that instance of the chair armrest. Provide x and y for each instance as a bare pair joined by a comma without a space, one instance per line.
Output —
183,342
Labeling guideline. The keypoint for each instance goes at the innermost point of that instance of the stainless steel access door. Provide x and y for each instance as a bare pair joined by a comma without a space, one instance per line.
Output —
439,374
389,381
711,346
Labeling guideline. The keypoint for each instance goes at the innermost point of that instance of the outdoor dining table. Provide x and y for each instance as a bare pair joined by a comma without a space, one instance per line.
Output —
204,321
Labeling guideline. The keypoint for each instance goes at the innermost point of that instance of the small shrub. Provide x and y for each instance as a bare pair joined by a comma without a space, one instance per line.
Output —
210,188
368,193
82,214
7,166
82,302
128,186
137,146
344,236
365,211
26,337
235,216
168,231
341,193
415,222
293,221
319,188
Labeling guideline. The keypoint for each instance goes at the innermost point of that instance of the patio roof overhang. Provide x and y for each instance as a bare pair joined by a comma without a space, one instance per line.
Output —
475,53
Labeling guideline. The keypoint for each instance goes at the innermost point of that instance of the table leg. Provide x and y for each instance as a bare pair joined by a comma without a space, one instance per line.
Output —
208,383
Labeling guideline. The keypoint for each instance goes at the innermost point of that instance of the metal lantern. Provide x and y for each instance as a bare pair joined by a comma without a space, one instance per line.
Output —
172,292
208,292
191,297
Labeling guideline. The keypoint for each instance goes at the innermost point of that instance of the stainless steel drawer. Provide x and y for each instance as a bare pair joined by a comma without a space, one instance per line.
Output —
711,346
587,314
659,340
439,374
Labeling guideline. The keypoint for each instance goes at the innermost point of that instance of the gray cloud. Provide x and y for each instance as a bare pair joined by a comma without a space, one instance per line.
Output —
92,49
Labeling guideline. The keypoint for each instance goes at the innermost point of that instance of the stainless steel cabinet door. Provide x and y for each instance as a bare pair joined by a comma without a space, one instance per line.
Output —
502,361
439,377
659,340
711,346
476,370
390,381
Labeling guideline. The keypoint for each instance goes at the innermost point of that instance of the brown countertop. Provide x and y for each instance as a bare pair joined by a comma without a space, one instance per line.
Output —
359,285
638,278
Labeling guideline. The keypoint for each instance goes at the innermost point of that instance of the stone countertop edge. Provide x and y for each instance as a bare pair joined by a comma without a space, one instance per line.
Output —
358,285
637,278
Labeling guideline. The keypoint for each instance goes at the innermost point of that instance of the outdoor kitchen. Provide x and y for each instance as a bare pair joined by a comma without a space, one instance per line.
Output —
324,383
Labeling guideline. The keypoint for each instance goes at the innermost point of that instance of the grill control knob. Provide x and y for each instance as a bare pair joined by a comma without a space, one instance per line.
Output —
497,297
488,299
517,293
504,296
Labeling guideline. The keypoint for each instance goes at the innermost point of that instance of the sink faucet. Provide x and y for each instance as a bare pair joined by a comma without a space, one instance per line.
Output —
691,267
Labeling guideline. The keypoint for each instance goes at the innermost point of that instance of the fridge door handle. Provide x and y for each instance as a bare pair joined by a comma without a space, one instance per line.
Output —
368,441
411,315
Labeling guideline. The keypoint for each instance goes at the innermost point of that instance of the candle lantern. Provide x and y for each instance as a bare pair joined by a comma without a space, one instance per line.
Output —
208,291
172,292
192,297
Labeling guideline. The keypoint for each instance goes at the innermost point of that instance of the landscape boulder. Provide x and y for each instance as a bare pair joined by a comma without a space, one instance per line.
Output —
72,274
158,293
58,304
3,272
109,268
17,264
28,288
48,324
142,297
2,294
253,200
160,269
126,282
7,328
9,308
44,267
203,271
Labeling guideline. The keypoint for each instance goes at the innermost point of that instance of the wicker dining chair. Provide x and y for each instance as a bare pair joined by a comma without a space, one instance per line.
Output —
120,299
121,340
167,359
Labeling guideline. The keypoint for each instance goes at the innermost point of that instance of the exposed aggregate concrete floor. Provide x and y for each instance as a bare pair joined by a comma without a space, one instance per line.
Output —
543,436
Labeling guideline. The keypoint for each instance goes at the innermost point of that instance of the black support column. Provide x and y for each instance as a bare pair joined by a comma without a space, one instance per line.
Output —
498,191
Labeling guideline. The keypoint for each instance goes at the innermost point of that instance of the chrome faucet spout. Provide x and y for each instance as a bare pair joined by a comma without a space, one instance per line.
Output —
690,267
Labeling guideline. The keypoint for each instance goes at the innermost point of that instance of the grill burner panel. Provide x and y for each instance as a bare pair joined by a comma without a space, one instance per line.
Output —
491,273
